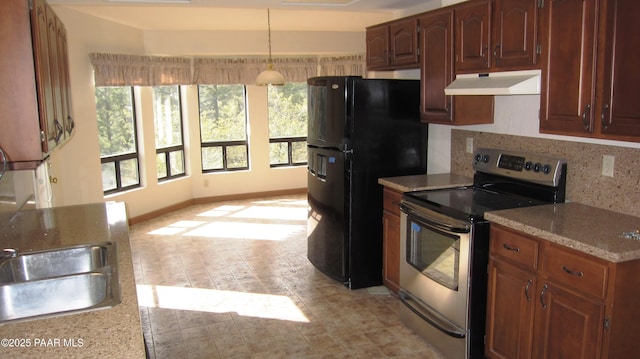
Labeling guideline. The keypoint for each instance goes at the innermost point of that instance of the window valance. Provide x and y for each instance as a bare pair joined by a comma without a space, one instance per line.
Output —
135,70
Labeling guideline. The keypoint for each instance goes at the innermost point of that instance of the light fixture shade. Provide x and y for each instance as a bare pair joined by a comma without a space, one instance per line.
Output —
270,77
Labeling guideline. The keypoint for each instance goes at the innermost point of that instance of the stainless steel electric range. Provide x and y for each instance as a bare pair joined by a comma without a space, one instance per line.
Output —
445,244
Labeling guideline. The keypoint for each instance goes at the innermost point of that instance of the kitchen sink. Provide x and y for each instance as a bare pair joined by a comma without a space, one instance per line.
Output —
59,281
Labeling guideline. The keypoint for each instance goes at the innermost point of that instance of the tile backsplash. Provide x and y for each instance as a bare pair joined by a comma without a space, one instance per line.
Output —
585,182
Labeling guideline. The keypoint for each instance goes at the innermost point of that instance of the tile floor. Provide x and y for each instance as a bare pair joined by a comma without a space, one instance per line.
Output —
231,280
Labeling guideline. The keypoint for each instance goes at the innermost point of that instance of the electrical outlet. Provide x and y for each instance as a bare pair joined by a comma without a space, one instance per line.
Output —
469,144
608,165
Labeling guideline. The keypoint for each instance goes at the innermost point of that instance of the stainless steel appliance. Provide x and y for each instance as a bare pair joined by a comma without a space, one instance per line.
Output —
359,130
445,244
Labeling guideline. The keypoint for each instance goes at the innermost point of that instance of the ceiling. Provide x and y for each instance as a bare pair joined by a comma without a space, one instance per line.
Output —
245,15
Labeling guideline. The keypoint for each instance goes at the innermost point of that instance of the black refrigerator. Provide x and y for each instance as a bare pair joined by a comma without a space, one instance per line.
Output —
358,131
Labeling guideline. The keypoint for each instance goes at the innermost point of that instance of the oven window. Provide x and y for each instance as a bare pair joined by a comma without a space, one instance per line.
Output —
434,253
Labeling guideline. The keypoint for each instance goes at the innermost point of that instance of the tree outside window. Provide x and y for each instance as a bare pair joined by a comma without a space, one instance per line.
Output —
223,127
167,115
288,124
117,138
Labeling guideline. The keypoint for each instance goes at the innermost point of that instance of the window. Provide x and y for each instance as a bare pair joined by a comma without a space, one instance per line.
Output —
223,127
118,138
167,117
288,124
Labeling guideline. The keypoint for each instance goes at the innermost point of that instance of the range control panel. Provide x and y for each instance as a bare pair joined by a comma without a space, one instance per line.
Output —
524,166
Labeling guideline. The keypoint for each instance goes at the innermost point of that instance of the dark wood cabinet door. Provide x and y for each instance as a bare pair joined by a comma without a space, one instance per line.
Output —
436,68
46,99
568,29
567,325
472,33
377,47
403,42
619,113
391,251
64,78
514,33
57,131
510,307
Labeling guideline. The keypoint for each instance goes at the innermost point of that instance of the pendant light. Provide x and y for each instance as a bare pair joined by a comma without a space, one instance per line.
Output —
269,76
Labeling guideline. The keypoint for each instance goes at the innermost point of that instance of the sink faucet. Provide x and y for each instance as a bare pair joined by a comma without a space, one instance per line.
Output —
8,253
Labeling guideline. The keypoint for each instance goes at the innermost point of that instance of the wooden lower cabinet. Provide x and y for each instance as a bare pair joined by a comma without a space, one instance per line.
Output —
391,239
547,301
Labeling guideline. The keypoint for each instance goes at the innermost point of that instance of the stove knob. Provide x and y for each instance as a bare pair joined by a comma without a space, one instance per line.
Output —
528,165
478,157
537,166
546,169
485,158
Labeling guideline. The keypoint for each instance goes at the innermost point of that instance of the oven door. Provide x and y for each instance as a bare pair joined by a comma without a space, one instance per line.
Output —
434,268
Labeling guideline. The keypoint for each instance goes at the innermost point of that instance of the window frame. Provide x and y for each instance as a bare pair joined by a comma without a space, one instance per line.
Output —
168,150
288,139
225,144
118,159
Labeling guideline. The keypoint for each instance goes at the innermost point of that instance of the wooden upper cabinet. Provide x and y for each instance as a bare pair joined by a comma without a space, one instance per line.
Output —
515,34
377,47
618,115
36,100
472,36
568,39
393,45
436,72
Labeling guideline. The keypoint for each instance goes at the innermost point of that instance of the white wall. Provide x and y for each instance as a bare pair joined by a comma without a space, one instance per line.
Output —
77,164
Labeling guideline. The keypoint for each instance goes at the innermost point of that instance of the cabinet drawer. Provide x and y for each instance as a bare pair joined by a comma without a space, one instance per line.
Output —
391,201
576,270
514,247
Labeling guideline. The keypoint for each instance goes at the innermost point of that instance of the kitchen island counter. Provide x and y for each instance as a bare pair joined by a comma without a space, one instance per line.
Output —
425,182
105,333
584,228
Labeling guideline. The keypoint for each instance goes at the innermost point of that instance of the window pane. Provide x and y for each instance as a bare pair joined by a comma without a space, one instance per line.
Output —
161,165
116,128
299,152
288,110
129,172
222,113
212,158
279,153
166,115
108,176
237,157
176,158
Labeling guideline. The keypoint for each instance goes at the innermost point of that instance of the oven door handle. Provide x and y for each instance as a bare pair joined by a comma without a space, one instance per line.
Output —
434,219
431,316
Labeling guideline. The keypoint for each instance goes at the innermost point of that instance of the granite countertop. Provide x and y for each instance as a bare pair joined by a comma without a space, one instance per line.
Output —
425,182
105,333
585,228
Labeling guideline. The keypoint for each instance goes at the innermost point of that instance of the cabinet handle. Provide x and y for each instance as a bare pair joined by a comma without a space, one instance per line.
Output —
485,51
544,290
526,290
586,117
604,116
495,54
59,130
578,274
511,248
4,162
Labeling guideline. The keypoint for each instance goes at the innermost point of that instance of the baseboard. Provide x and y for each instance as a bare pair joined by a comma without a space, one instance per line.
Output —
205,200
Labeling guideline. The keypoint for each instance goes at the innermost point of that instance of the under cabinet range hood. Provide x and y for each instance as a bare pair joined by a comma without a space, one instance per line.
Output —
525,82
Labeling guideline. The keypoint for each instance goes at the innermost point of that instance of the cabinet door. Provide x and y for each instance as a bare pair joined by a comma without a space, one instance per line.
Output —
377,47
436,68
473,23
46,99
64,78
568,70
391,250
620,111
567,326
403,42
510,308
514,34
